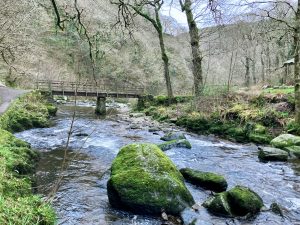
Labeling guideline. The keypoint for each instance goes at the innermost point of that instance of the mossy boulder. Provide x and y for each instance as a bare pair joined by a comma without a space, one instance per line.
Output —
206,180
272,154
52,109
144,180
294,151
285,140
218,204
243,201
182,143
170,136
239,201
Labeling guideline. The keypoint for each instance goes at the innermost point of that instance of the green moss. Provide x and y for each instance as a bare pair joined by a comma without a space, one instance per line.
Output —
26,112
182,143
206,180
8,139
144,180
285,140
243,200
293,151
282,90
17,204
218,204
239,201
25,210
52,109
260,138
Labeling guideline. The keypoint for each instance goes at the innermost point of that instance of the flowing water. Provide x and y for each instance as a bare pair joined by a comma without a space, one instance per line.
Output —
82,197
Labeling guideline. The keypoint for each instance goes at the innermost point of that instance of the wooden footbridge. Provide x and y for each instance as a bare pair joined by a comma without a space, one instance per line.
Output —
100,88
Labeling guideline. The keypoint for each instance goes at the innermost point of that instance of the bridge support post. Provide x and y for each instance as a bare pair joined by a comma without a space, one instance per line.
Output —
141,103
101,107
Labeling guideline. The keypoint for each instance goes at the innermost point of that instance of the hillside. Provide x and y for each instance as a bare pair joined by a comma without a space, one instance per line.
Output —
37,49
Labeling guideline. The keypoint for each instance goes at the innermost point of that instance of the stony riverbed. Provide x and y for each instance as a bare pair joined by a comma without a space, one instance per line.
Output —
82,196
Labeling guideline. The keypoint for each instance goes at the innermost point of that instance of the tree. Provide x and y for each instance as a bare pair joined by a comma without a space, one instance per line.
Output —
195,45
143,8
291,19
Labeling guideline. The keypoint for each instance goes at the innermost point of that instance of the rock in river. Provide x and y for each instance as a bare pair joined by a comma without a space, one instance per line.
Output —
170,136
144,180
182,143
294,151
206,180
285,140
239,201
272,154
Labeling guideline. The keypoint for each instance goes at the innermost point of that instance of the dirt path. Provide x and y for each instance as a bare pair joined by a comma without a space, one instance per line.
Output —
7,95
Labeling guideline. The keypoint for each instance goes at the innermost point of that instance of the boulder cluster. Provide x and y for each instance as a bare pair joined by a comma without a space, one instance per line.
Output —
284,146
145,181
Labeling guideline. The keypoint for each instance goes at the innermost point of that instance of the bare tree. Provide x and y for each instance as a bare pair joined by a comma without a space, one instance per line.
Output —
150,10
289,15
186,7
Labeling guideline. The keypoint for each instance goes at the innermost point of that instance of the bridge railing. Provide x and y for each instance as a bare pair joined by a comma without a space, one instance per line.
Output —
102,86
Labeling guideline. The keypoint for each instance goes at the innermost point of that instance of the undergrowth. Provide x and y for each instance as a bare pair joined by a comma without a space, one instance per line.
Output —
256,119
18,204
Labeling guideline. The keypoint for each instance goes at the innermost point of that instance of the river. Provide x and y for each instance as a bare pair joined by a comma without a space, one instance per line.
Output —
82,197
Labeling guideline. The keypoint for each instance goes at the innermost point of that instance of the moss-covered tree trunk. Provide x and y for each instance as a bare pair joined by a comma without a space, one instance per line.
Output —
164,56
297,65
195,45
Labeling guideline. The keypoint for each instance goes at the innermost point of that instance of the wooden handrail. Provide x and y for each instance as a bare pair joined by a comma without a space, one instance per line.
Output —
103,86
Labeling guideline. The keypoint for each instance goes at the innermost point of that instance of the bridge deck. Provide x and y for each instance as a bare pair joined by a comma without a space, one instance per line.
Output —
101,89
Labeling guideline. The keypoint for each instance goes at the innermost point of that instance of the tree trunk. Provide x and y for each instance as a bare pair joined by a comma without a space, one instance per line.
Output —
254,66
247,75
164,57
268,61
230,72
195,45
262,67
297,66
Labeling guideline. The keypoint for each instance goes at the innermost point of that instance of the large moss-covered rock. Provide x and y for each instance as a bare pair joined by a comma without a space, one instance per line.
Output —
206,180
239,201
294,151
285,140
182,143
272,154
173,136
243,200
144,180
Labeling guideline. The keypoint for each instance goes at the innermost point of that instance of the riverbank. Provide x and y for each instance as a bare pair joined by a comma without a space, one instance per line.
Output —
18,204
241,116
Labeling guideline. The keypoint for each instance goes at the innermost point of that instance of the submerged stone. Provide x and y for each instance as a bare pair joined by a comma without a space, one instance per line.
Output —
275,208
294,151
272,154
182,143
285,140
206,180
144,180
239,201
170,136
